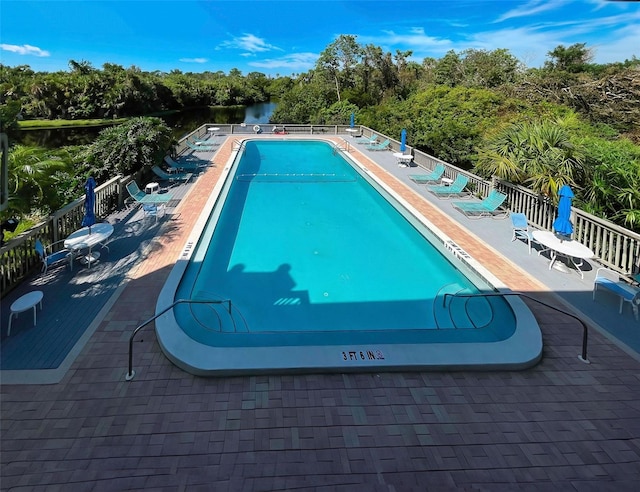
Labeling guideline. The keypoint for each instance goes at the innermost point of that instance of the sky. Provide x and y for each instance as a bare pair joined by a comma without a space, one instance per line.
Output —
285,37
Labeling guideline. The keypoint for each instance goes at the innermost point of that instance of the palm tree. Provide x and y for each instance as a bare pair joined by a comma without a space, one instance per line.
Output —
31,171
538,154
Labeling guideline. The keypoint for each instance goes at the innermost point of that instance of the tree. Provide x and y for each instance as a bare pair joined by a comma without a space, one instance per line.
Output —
573,59
33,175
127,148
338,62
540,155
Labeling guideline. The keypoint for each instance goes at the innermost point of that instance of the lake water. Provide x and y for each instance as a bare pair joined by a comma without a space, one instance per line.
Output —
182,123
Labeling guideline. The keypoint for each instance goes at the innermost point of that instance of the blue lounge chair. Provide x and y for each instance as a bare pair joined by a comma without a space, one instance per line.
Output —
380,146
146,198
198,141
610,280
434,175
200,147
454,189
370,141
488,207
181,166
171,177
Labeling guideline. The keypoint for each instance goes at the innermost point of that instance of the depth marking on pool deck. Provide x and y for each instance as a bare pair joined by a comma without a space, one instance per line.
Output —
362,355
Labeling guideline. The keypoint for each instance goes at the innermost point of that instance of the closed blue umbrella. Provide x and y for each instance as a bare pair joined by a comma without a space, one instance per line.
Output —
89,202
403,140
562,225
352,121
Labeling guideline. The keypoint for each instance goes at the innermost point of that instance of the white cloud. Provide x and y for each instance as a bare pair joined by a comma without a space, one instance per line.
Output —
250,43
194,60
25,49
532,7
415,39
298,62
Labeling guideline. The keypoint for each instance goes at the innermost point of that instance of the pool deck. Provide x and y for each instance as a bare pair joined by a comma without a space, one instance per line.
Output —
562,425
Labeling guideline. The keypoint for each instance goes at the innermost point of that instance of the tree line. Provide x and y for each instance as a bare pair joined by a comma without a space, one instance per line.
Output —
85,92
570,121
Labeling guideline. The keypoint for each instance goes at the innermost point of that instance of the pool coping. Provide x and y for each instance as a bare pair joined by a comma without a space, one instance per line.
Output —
520,351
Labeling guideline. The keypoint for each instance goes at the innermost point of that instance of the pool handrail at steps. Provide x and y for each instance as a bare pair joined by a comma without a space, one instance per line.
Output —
582,356
131,373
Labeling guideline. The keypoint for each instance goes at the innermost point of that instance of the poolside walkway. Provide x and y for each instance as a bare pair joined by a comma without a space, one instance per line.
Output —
562,425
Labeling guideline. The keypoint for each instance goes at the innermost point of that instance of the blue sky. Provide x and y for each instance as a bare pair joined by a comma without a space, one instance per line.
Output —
286,36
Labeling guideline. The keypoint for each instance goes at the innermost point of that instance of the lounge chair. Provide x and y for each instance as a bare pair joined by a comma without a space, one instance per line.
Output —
609,280
434,175
48,257
146,198
369,141
379,146
520,226
454,189
171,177
181,166
201,147
488,207
206,142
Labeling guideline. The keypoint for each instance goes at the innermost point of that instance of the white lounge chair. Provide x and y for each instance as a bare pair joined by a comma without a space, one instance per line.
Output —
611,281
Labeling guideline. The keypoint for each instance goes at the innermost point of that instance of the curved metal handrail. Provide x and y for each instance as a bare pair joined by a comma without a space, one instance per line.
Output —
582,357
131,373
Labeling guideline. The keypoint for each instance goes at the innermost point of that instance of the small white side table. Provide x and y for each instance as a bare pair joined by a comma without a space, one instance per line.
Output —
24,303
151,187
446,181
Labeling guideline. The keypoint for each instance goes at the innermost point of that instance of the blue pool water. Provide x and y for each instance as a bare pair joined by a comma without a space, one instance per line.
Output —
305,245
323,268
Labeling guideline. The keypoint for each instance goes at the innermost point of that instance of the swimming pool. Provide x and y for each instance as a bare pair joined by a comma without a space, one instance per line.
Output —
317,267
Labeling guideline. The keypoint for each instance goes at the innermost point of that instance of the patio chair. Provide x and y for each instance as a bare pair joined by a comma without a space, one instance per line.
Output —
454,189
48,257
141,197
171,177
488,207
611,281
434,175
181,166
369,141
520,227
153,209
379,146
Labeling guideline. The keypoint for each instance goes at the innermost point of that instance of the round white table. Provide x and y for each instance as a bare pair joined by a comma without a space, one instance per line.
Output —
568,248
403,159
446,181
213,130
88,238
151,187
24,303
352,131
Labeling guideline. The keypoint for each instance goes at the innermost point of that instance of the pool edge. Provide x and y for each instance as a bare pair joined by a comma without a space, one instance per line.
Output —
520,351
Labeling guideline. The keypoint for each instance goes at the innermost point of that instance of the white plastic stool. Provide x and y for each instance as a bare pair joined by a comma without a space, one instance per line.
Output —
24,303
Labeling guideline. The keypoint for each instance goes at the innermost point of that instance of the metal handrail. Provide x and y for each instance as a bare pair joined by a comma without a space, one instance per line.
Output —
582,357
131,373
